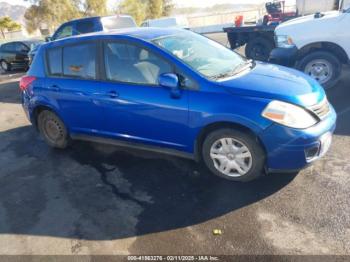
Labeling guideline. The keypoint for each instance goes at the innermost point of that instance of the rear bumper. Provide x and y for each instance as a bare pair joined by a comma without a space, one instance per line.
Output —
284,56
294,149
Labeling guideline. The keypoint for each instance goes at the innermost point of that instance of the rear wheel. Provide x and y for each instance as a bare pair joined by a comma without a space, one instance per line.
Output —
233,155
323,66
53,129
259,49
5,66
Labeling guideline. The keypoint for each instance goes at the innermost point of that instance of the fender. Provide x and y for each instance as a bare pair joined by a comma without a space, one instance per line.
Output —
40,101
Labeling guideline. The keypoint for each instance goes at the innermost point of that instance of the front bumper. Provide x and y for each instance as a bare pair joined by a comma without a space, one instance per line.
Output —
291,149
284,56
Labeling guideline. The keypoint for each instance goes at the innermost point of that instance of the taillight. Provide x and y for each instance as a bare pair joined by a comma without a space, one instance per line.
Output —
26,81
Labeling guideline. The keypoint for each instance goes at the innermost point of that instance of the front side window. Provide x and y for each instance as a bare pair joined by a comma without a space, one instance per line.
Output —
203,55
80,61
130,63
64,32
21,47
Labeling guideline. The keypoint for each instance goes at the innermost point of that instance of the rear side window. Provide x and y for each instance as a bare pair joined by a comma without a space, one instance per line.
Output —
8,47
84,27
80,61
54,57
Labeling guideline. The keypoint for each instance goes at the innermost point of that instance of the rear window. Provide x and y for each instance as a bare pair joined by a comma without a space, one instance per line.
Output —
77,61
85,27
116,22
54,57
80,61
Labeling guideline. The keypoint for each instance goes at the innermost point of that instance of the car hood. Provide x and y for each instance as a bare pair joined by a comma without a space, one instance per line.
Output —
301,21
276,83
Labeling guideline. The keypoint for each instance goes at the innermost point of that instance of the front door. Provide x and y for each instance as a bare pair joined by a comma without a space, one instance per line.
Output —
137,109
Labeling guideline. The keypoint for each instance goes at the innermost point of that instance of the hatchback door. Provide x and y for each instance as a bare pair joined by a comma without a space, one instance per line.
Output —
73,87
137,109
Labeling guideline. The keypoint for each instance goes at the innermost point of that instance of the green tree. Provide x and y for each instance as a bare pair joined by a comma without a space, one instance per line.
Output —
50,12
154,9
91,7
168,7
7,24
135,8
33,18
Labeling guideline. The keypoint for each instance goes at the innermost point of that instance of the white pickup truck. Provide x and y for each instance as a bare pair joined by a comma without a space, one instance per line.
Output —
317,44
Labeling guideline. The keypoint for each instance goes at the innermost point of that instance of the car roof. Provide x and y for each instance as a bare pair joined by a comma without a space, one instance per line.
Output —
143,33
94,17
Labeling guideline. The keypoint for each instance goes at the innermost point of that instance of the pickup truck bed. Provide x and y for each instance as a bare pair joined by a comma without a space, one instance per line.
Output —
259,40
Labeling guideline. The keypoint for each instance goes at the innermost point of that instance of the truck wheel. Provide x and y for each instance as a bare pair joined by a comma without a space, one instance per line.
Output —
53,129
259,49
322,66
233,155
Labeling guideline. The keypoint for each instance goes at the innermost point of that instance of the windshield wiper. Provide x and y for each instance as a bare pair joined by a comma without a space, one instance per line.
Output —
240,68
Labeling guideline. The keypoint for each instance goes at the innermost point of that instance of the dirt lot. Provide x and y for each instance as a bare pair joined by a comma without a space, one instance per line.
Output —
98,199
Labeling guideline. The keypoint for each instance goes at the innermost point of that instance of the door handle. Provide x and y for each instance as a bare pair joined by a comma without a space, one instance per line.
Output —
54,88
113,94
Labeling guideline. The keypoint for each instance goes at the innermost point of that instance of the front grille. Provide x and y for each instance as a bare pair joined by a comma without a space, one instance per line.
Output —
321,109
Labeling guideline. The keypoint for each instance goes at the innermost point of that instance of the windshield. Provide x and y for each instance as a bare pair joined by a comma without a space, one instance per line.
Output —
203,55
345,6
117,22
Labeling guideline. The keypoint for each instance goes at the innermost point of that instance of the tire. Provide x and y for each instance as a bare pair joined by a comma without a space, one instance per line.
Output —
255,162
328,60
52,129
5,66
259,49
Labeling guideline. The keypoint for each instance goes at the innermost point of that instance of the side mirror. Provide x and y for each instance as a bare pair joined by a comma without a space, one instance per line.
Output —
170,81
48,39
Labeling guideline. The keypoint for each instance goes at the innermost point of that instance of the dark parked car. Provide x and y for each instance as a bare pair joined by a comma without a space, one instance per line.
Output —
14,55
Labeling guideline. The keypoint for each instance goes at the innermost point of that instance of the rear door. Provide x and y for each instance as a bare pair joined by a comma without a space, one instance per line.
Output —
21,53
73,86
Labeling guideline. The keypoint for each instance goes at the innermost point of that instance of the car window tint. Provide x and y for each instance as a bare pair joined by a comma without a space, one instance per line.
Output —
9,47
133,64
80,60
54,57
19,47
84,27
64,32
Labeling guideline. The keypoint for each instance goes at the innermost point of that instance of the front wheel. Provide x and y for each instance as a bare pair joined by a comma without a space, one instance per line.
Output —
233,155
53,129
323,66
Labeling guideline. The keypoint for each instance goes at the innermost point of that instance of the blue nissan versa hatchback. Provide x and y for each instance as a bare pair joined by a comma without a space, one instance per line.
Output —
174,91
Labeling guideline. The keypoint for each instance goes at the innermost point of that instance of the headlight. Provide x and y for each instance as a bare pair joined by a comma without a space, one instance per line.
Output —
284,41
288,115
